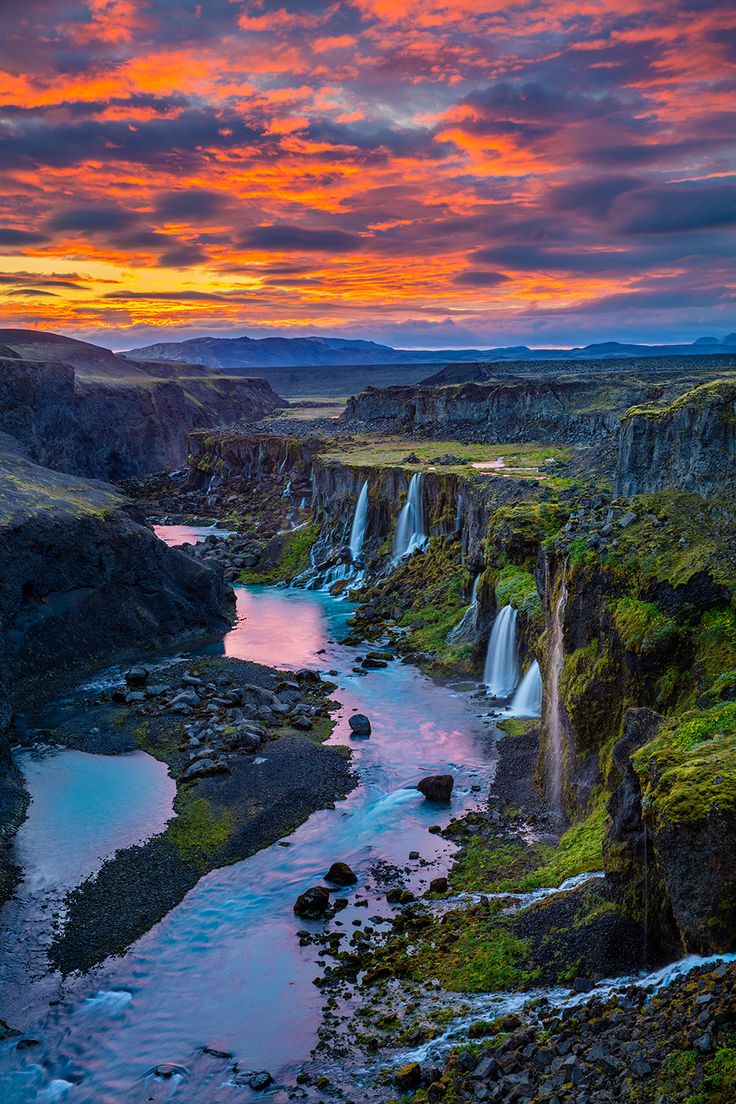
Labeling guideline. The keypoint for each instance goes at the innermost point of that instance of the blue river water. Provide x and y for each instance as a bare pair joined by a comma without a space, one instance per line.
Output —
225,969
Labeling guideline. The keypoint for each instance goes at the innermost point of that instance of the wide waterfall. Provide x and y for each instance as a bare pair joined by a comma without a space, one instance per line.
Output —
360,521
410,534
527,701
552,718
502,663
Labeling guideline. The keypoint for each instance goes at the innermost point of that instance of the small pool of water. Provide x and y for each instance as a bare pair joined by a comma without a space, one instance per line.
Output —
174,535
225,969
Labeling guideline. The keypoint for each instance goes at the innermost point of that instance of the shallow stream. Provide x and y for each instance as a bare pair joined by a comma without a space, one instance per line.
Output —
225,969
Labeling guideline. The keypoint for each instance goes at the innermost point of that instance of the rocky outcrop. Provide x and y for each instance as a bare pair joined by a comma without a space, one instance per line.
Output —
82,582
495,411
80,408
689,445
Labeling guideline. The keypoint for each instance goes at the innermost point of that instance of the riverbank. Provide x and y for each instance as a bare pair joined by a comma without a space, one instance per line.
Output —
244,744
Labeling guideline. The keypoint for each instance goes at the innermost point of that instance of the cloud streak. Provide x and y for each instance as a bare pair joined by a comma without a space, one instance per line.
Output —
432,172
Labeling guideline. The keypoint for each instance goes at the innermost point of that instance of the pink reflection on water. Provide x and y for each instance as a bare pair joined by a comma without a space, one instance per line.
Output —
261,635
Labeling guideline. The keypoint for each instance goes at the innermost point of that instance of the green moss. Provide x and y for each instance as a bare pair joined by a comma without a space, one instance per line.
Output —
293,558
486,957
516,531
642,626
517,867
518,588
518,726
199,829
689,770
590,691
715,643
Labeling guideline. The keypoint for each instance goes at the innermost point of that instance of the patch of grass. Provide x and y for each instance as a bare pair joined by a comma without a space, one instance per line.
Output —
199,830
518,588
642,626
689,769
292,558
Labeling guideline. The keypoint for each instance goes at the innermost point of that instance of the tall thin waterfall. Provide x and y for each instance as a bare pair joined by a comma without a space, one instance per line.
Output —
556,658
410,534
502,663
469,620
527,701
357,533
459,514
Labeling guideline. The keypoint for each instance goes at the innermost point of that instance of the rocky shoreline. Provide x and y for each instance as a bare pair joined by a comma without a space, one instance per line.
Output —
245,746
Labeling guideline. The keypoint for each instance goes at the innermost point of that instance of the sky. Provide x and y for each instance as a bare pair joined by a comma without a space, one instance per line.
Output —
432,173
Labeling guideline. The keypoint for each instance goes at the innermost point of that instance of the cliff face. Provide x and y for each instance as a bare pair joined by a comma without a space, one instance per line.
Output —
95,414
82,582
515,410
689,445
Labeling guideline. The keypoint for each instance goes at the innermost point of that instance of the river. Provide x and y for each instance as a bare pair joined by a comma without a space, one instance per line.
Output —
225,969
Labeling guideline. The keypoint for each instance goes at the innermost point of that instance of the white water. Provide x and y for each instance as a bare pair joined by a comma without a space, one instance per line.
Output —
554,750
225,967
527,701
469,619
502,662
410,533
360,521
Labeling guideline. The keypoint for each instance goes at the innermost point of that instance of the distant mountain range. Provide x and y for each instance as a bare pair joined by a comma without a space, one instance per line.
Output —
237,353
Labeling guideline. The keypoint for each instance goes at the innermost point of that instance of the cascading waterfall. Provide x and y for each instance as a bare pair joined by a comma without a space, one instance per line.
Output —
287,490
360,521
502,663
556,658
410,534
459,514
527,701
469,620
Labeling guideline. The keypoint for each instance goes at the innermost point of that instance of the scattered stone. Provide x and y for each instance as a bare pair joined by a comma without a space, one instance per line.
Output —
408,1077
436,787
359,725
438,885
341,874
313,904
137,676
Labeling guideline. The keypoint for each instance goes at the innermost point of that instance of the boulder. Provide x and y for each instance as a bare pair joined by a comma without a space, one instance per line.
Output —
137,676
341,874
438,885
437,787
408,1077
313,903
359,725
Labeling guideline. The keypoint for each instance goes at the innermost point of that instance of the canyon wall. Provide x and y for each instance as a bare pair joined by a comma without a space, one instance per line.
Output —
94,419
690,444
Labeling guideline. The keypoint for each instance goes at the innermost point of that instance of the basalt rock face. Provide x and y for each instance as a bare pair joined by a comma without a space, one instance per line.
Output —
502,411
81,580
80,408
689,445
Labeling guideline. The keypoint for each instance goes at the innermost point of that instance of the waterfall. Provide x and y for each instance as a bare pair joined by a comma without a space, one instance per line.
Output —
410,534
360,521
502,665
527,701
556,658
287,490
459,514
468,623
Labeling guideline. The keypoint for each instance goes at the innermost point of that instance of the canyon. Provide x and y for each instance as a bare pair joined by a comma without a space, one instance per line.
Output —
542,566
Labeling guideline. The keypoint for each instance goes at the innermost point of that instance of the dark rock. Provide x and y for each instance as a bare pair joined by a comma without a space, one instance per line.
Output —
359,724
260,1080
313,904
582,985
341,874
408,1077
437,787
438,885
137,676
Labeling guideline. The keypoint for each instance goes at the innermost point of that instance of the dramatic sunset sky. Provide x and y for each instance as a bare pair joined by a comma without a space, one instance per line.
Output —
425,172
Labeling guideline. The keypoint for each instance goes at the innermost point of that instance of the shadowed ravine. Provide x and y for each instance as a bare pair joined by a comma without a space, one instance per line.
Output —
225,969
